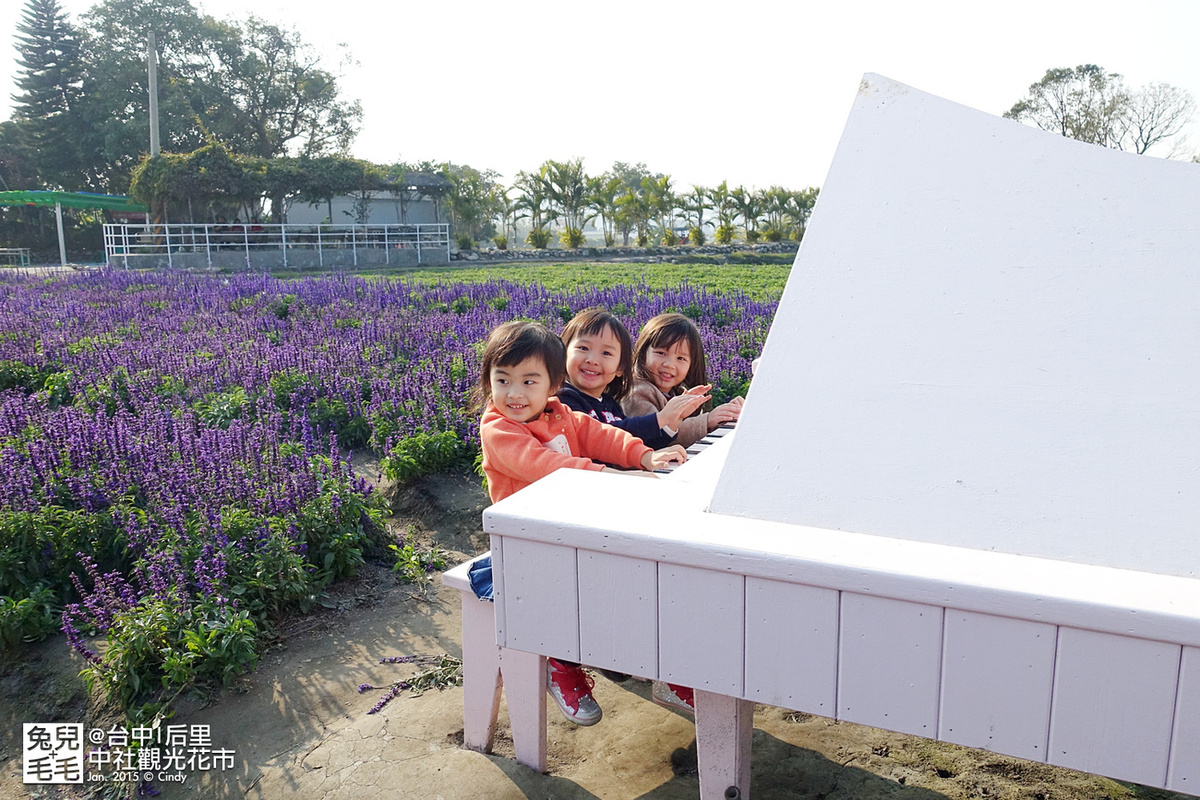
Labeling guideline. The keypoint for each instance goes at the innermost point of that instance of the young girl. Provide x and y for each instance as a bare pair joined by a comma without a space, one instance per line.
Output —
669,359
599,373
527,433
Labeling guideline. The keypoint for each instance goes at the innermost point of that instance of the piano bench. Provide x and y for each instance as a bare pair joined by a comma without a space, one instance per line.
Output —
486,668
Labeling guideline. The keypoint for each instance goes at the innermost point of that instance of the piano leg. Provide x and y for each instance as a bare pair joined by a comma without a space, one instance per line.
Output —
487,667
481,673
724,726
525,692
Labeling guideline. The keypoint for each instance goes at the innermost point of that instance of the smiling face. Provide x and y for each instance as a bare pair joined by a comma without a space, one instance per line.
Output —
520,391
668,366
593,360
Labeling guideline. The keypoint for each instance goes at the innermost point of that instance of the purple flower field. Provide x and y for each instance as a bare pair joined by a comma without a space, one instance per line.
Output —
174,446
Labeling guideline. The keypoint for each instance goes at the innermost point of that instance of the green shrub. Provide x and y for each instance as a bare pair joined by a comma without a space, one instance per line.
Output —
538,239
19,375
271,579
160,647
38,548
220,409
413,565
724,234
752,236
337,527
284,307
29,619
772,234
57,387
464,241
109,396
222,642
424,454
501,242
670,238
571,238
696,236
284,384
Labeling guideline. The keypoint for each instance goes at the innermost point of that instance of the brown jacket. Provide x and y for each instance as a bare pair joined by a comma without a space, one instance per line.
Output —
646,398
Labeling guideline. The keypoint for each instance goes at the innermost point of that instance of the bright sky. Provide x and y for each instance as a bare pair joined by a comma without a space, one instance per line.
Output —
755,92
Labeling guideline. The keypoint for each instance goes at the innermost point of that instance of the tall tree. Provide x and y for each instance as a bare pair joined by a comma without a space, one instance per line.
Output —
749,208
535,204
660,196
254,87
50,80
474,200
694,204
775,205
603,192
633,215
567,185
799,208
726,210
1092,105
117,90
1157,112
267,94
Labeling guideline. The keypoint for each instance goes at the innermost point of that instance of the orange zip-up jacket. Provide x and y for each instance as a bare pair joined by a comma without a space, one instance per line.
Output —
515,454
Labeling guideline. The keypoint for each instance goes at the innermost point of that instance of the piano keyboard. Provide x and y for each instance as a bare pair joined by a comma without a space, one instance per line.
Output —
700,446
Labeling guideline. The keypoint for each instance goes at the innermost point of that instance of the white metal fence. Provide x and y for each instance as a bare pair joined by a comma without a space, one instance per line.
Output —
14,256
267,246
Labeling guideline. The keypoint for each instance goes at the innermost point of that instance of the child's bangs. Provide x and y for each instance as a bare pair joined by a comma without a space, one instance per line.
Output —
666,336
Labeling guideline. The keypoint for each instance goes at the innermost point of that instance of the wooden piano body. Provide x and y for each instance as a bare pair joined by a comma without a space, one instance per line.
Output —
962,500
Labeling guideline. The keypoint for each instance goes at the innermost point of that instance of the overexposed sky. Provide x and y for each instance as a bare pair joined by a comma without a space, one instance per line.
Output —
755,92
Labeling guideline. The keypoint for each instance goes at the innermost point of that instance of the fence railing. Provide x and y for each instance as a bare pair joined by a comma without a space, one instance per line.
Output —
14,256
274,245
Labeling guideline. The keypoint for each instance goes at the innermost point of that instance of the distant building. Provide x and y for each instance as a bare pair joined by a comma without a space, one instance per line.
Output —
415,200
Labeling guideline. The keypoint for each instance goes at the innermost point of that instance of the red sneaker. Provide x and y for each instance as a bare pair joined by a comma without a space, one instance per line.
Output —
571,689
674,697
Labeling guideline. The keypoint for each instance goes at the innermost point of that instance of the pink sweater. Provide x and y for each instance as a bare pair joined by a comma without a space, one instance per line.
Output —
515,454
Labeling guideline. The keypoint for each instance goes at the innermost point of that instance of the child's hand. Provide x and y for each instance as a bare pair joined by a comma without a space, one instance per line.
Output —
658,459
682,406
726,412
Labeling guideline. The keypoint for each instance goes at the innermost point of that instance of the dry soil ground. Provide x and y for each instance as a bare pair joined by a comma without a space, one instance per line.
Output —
301,729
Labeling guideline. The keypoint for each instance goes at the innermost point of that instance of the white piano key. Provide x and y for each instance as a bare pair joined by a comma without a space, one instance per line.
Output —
791,646
541,612
618,613
701,628
1103,684
889,664
997,674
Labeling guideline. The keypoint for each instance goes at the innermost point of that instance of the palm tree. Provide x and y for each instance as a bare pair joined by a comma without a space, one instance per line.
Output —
534,202
749,208
567,188
660,196
799,209
509,211
633,214
775,204
694,204
723,204
602,198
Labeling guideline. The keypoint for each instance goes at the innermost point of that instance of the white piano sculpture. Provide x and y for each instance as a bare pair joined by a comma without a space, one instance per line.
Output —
963,500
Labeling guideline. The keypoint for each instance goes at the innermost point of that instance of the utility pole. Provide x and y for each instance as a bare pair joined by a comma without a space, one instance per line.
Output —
152,66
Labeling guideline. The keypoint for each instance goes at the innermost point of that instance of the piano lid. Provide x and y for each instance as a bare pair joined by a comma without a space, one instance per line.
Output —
990,339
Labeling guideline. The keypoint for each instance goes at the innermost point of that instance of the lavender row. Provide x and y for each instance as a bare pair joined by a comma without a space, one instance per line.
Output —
400,357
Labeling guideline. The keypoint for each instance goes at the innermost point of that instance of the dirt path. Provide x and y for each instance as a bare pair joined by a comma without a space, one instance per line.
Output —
300,728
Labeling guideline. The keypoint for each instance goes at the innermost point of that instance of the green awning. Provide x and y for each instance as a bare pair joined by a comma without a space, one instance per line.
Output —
112,202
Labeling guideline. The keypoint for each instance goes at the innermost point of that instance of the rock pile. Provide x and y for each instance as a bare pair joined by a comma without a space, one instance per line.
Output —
652,254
